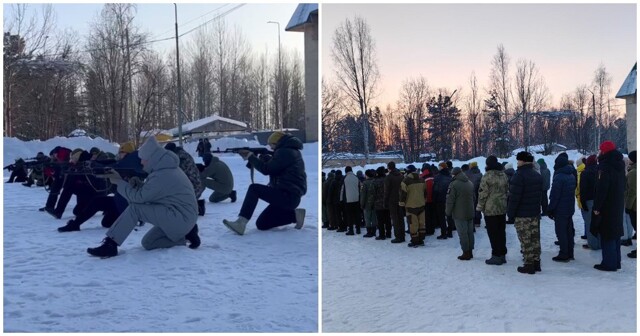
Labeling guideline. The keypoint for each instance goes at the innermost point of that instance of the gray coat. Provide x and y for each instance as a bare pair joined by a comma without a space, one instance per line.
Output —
168,186
217,176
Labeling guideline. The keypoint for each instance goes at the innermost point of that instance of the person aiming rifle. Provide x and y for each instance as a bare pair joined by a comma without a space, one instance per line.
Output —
287,185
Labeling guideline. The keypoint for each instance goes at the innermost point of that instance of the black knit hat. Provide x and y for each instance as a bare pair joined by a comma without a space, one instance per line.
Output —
524,156
491,160
171,146
206,158
410,169
632,156
94,150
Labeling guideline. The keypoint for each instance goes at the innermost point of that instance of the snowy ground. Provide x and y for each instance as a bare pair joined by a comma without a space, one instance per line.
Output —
376,286
259,282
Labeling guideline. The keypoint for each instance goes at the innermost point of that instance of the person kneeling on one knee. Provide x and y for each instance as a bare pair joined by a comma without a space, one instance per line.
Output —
166,200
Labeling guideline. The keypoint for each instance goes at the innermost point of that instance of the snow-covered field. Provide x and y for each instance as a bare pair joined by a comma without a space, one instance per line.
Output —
376,286
259,282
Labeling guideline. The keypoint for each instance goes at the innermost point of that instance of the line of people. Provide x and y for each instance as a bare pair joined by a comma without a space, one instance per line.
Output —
455,199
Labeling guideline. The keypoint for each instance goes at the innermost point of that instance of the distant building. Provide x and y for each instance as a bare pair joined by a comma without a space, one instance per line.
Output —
628,92
213,125
305,19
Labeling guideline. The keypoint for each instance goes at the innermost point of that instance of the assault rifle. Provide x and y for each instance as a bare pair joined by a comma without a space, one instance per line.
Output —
257,151
32,162
91,170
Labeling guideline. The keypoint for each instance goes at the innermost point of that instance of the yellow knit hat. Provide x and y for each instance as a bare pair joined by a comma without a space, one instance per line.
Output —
473,164
275,137
127,147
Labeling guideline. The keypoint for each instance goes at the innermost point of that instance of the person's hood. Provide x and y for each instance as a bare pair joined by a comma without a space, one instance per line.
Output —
395,172
613,159
289,141
412,178
568,170
474,170
543,165
461,177
160,159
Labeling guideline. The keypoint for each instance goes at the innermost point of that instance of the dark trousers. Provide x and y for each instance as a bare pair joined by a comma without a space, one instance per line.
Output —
477,215
496,229
106,204
54,191
384,223
632,215
564,232
446,223
83,197
430,218
611,257
332,209
18,175
397,220
352,215
280,211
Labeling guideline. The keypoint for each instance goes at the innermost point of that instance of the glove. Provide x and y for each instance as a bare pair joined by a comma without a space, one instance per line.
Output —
245,154
135,182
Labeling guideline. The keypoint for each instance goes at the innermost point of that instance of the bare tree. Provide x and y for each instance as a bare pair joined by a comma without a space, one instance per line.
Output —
500,83
354,56
331,110
414,96
531,95
602,91
474,115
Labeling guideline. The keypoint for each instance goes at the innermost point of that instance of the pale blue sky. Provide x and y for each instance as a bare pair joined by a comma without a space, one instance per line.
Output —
446,42
159,20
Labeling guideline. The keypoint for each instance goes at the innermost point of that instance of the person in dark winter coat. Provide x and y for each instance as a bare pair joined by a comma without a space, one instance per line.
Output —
392,198
630,196
440,187
382,210
54,173
287,185
367,203
165,199
475,176
323,196
326,189
217,176
333,199
587,194
18,172
524,205
546,183
200,147
608,206
430,206
350,197
562,207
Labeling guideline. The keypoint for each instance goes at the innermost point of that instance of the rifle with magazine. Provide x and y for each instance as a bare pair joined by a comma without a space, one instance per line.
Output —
260,152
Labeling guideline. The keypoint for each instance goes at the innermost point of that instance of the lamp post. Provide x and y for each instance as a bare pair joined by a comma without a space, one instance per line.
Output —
179,85
281,108
596,139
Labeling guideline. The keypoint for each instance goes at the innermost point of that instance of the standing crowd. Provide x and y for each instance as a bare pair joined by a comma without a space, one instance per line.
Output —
602,187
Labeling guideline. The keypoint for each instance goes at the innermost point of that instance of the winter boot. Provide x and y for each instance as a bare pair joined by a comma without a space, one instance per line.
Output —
600,267
416,244
466,255
341,230
233,196
494,260
350,231
300,212
536,264
109,248
193,237
527,269
200,207
397,241
450,234
357,229
370,233
238,226
442,236
560,258
626,242
632,254
381,237
53,213
71,226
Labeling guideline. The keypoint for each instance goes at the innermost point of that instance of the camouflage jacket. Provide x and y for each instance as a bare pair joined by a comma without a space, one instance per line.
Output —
492,196
378,187
367,195
188,166
412,192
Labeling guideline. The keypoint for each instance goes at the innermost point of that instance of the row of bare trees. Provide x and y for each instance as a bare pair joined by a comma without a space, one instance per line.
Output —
512,111
115,85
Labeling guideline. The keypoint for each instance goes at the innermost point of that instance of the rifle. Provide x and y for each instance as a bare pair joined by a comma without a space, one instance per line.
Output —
97,171
257,151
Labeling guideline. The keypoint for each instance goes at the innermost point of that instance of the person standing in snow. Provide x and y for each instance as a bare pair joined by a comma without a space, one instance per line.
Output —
367,203
492,201
430,206
630,196
546,183
459,205
562,207
608,206
287,185
412,198
350,197
165,199
391,198
475,176
588,178
524,206
382,210
440,186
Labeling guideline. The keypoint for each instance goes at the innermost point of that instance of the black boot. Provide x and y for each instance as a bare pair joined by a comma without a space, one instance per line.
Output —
632,254
537,266
466,255
200,207
71,226
527,269
560,258
109,248
193,237
233,196
626,242
53,213
357,229
397,241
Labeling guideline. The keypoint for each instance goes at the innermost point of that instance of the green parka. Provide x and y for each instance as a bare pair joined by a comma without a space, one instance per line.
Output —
460,198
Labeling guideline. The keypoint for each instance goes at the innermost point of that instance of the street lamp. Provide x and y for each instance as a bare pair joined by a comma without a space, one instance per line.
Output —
179,84
279,76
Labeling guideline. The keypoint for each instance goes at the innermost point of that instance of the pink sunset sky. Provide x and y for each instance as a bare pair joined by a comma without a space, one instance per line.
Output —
446,42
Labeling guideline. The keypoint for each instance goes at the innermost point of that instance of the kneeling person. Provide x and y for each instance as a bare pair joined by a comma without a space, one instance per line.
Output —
166,199
217,177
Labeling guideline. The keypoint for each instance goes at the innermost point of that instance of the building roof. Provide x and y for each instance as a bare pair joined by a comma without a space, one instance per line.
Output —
301,17
201,125
629,87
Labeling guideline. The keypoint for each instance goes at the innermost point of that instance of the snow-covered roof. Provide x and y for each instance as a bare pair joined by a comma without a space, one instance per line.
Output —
629,87
154,132
200,125
537,148
78,133
301,16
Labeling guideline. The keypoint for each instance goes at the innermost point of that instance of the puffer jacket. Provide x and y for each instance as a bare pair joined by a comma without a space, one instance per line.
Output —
588,183
392,188
475,176
492,196
441,185
286,168
525,193
460,198
561,199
